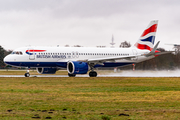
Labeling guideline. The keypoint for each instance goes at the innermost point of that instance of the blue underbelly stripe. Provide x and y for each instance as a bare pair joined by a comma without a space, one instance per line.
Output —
61,64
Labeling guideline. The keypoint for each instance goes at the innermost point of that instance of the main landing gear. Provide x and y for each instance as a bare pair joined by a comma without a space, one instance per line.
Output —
27,73
71,75
92,74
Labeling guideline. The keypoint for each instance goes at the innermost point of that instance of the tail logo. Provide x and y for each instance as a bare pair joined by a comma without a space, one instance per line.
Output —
146,41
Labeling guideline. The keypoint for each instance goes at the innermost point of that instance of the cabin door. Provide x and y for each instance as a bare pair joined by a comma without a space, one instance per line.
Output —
31,54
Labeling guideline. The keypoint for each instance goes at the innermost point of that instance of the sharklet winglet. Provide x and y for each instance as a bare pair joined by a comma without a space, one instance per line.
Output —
153,50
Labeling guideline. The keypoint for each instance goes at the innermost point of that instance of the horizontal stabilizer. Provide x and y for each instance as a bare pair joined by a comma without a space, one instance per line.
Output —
161,53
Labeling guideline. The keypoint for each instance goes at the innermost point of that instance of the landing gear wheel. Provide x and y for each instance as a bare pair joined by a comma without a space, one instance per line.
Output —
93,74
26,74
71,75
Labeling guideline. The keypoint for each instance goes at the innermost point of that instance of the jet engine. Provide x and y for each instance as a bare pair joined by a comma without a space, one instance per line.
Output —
46,70
77,67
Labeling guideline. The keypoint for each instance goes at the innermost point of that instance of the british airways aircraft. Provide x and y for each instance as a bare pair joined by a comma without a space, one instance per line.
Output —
80,60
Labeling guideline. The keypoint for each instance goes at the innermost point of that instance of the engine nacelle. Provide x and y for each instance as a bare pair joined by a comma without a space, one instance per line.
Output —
77,67
46,70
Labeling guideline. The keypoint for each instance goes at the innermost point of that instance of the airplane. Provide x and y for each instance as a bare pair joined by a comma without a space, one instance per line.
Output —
81,60
175,45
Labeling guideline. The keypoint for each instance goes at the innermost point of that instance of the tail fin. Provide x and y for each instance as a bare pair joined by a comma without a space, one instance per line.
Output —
146,41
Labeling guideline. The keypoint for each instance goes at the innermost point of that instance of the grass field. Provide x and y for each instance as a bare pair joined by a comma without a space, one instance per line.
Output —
89,98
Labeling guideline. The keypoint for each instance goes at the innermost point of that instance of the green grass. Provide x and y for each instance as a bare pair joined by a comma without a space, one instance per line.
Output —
89,98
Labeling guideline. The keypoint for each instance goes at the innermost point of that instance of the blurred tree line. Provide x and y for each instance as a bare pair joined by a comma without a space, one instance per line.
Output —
162,62
3,53
166,61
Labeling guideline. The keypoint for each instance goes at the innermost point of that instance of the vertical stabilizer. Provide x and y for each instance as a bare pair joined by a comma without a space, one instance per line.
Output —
146,41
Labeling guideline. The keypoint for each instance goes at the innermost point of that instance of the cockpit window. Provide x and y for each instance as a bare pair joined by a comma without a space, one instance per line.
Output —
12,53
17,52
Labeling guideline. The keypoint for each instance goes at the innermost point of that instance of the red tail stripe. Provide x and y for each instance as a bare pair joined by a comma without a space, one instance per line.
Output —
143,47
149,30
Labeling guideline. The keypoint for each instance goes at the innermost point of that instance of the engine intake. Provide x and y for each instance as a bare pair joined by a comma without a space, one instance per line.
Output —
46,70
77,67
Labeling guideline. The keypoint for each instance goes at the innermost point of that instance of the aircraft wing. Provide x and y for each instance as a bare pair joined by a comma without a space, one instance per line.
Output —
112,58
101,60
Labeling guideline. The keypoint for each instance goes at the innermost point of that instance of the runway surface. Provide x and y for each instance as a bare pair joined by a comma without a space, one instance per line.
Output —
117,74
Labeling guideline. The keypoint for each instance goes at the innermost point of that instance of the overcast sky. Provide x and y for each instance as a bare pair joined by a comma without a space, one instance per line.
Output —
86,22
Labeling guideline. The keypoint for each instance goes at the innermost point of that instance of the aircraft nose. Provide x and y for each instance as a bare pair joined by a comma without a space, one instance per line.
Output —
10,60
6,59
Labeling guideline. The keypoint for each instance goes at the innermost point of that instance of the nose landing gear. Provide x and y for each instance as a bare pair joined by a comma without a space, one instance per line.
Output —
27,73
71,75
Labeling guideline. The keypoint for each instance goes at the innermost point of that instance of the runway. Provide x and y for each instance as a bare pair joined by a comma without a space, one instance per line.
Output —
175,73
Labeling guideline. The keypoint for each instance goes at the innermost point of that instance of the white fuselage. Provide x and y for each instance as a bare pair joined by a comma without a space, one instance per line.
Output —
59,56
